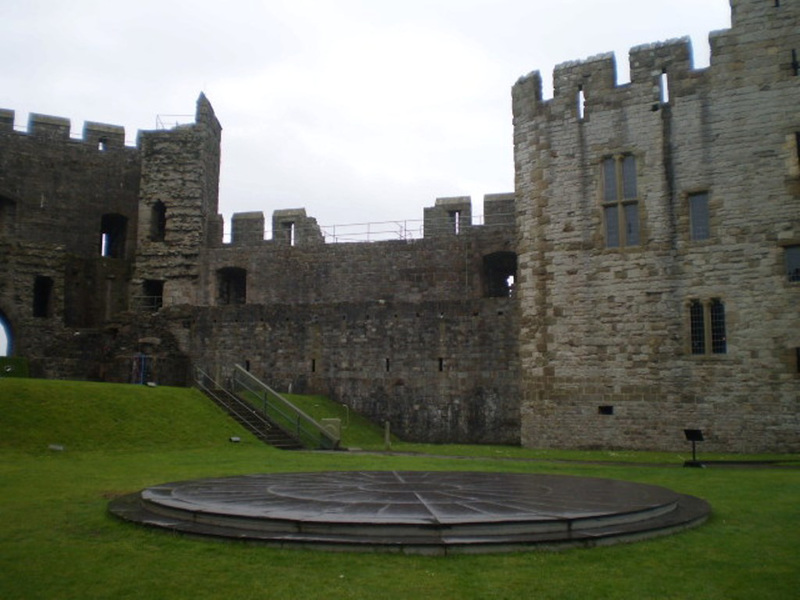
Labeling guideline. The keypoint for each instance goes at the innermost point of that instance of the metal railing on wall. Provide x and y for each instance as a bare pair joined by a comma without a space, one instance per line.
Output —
382,231
281,412
372,232
147,303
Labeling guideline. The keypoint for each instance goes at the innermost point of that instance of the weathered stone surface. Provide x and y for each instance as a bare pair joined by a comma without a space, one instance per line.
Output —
609,327
528,327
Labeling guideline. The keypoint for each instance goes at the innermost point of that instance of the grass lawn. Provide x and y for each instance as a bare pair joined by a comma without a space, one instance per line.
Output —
57,541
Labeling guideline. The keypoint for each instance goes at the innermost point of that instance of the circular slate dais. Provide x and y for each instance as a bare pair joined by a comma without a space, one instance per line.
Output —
415,511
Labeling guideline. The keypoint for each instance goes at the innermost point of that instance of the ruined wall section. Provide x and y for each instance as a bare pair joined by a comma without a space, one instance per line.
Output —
606,348
178,209
60,197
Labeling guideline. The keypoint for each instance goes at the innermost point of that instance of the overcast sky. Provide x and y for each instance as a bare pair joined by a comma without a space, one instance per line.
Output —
359,111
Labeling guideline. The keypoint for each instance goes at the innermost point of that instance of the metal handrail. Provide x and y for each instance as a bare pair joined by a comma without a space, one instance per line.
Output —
148,303
236,405
281,412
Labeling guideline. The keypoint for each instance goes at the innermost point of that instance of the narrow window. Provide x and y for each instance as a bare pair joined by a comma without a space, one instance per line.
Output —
620,201
632,224
629,177
581,103
313,365
708,330
6,345
42,296
158,221
699,221
698,328
152,295
112,236
499,270
797,146
792,254
718,339
289,232
795,63
455,221
797,359
441,364
387,365
8,212
102,144
232,285
609,180
612,226
664,87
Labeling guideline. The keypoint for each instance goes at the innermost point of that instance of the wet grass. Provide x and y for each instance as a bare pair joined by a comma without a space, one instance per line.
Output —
59,542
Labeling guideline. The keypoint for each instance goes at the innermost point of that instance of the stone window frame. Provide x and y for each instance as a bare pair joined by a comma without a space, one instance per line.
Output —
621,198
708,327
113,235
791,263
231,286
152,297
158,221
695,234
8,216
43,289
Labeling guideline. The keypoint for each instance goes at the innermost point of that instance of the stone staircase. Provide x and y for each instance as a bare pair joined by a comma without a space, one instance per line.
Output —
252,419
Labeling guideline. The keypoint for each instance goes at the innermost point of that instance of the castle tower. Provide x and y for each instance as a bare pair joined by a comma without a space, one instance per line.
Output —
178,210
660,241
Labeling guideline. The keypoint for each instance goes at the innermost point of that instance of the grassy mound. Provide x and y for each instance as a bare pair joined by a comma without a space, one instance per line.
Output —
81,415
357,431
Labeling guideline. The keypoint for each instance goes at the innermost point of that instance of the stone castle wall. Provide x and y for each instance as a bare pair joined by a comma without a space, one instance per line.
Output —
419,332
415,332
635,284
606,341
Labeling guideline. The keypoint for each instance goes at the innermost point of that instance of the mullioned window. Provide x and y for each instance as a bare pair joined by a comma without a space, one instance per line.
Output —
620,201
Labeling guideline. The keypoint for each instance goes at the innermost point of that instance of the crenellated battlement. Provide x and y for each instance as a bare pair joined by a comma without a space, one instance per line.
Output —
47,127
102,136
583,86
